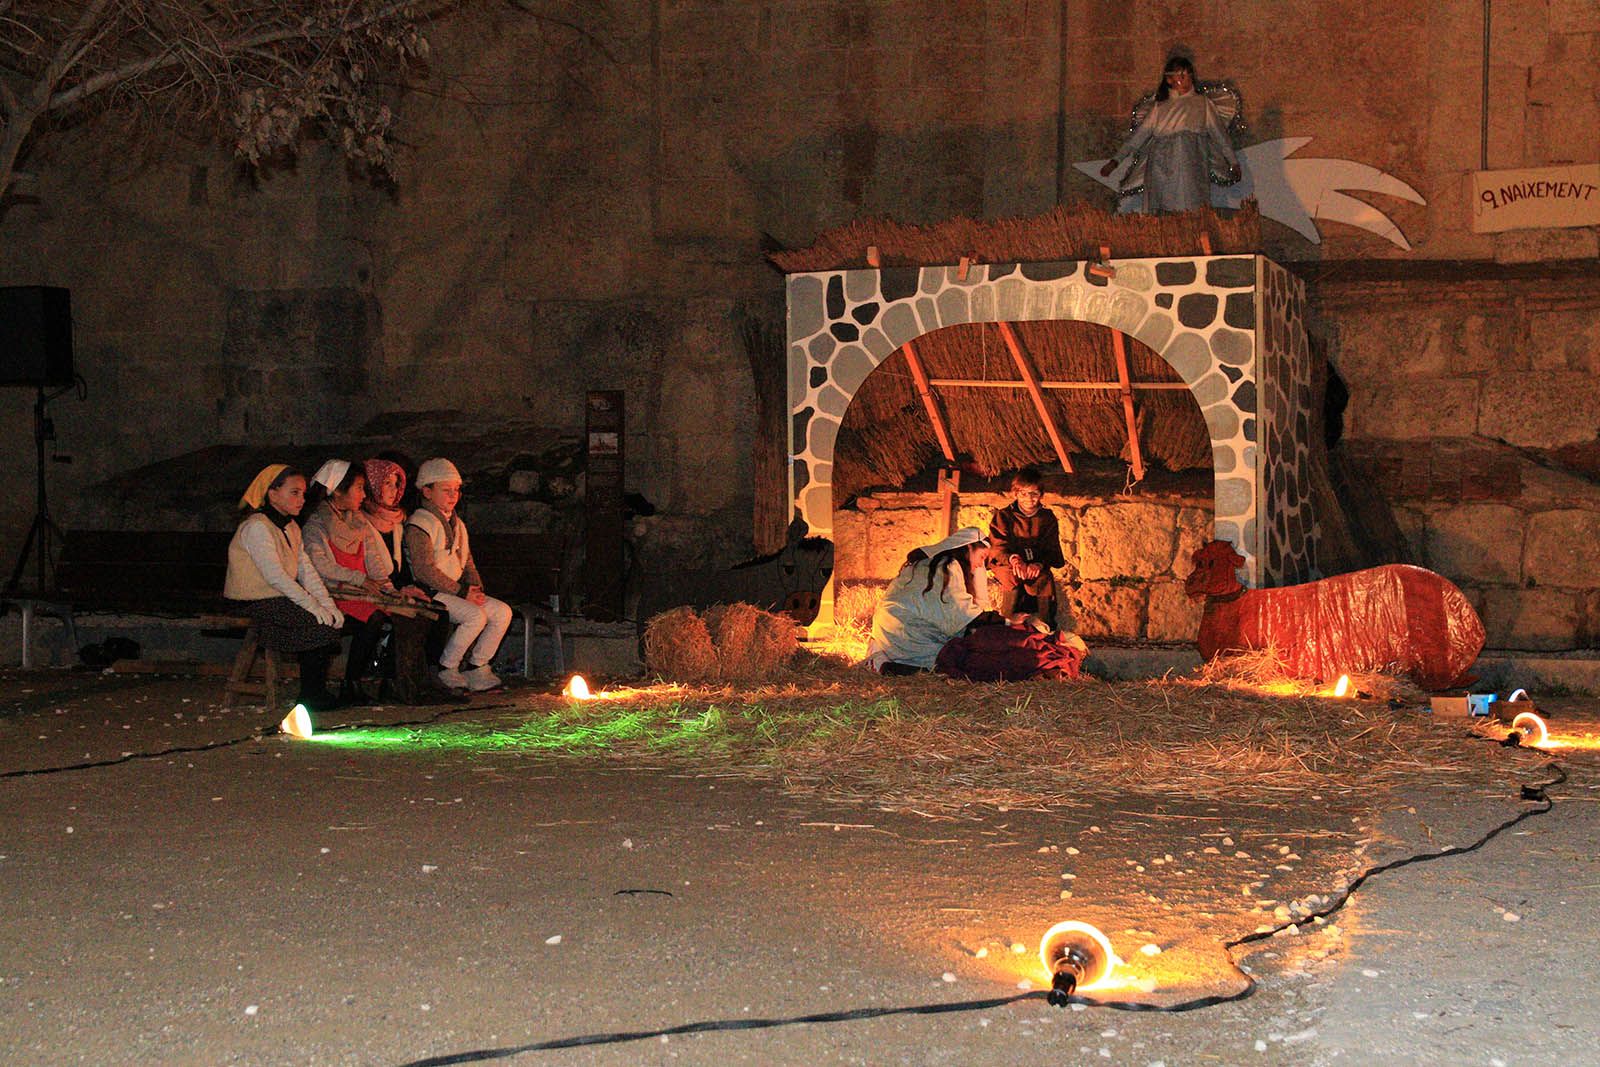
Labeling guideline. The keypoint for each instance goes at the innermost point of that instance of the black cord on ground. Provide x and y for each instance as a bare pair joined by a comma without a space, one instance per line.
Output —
619,1037
131,757
1528,792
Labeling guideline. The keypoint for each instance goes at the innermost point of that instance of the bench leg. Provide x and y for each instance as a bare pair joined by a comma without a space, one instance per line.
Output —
238,678
530,615
27,635
272,679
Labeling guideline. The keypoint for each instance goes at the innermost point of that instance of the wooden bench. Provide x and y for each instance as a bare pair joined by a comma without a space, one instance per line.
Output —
181,573
148,573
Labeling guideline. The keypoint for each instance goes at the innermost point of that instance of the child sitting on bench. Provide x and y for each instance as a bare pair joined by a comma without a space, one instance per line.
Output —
1026,540
437,549
272,580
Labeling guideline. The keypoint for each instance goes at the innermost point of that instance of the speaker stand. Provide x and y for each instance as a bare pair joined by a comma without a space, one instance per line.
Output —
44,536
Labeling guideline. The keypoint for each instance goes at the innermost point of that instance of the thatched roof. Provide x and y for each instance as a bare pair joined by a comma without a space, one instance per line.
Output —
886,437
1071,232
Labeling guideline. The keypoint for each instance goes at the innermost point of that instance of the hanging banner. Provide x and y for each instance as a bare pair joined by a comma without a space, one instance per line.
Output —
1537,198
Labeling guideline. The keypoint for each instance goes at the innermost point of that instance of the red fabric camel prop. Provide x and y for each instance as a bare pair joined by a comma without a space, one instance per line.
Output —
1395,617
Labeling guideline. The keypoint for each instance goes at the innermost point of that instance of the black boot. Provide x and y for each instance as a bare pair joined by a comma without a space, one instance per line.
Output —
351,695
314,692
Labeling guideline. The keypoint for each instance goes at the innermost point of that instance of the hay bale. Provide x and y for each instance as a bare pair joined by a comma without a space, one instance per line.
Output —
731,643
677,646
733,631
777,639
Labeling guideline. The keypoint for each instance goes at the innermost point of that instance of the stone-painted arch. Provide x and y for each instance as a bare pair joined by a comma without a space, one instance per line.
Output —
1206,316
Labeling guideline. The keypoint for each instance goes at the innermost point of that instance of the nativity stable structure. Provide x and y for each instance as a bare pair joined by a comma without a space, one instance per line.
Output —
1230,329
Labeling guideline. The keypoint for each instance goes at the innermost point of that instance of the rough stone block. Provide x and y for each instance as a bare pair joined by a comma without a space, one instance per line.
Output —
1067,520
1574,16
1560,549
1540,411
1522,39
1442,407
1413,525
1172,616
1563,113
1534,246
1565,339
1476,543
891,534
1126,541
1194,530
849,544
1106,609
1537,619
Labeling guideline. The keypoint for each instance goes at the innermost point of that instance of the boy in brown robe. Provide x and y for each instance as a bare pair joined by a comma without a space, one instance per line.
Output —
1026,547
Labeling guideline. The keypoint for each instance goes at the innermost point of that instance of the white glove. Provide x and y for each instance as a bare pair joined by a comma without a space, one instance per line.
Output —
328,616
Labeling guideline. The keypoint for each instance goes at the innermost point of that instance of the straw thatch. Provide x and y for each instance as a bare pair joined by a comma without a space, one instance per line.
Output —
730,643
1069,232
886,437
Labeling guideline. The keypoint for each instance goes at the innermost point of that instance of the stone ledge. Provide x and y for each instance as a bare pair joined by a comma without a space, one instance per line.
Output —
1506,670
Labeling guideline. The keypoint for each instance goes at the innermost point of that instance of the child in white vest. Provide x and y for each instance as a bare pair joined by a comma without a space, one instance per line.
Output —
437,549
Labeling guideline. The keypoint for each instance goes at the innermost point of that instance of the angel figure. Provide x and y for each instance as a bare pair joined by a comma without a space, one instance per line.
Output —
1180,143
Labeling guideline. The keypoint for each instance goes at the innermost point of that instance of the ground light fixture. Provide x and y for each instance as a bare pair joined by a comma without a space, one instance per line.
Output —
1341,688
1076,956
1534,732
577,688
297,723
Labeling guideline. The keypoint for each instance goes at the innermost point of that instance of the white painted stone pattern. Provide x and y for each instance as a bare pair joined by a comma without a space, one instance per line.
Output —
1289,527
1190,310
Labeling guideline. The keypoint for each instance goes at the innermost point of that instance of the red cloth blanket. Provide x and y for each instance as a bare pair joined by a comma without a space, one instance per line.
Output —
1003,653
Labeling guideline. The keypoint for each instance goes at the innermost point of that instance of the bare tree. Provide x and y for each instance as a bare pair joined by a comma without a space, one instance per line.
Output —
256,73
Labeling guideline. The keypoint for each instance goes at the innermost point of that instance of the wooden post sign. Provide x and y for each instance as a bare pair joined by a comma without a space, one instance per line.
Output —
605,428
1538,198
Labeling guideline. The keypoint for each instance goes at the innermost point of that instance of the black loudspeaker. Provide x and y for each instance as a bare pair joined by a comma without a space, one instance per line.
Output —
35,335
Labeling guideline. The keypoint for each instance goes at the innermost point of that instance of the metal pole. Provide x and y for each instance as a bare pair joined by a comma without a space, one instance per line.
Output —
1483,134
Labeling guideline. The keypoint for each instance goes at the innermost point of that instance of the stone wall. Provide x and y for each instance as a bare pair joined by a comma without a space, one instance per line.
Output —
1126,556
1517,536
584,212
1475,411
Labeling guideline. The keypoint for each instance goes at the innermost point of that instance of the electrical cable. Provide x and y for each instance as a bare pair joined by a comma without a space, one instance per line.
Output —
619,1037
259,735
1528,792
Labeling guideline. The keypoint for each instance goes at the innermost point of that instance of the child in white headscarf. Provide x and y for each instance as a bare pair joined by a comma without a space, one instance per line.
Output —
940,591
271,579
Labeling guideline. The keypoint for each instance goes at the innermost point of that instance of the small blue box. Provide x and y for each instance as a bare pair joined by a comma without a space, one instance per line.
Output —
1480,703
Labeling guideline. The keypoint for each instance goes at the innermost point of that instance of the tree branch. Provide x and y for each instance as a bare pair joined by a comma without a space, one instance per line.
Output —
68,53
138,68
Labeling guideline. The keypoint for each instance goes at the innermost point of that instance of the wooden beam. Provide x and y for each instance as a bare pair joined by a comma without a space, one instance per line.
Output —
949,497
1031,380
929,402
991,383
1121,352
